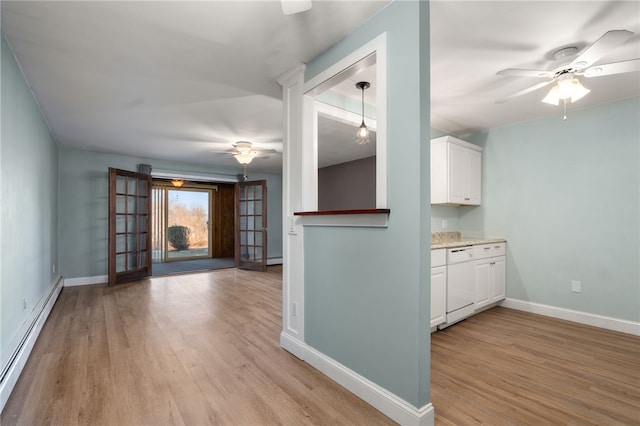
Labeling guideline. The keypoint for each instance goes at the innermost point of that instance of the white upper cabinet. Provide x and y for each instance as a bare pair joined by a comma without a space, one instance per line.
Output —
456,172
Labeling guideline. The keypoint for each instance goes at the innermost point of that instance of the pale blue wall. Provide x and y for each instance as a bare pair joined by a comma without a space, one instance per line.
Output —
28,209
367,290
83,222
566,196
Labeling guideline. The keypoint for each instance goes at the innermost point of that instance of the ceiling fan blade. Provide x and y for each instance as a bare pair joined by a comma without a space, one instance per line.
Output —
526,73
525,91
291,7
613,68
605,44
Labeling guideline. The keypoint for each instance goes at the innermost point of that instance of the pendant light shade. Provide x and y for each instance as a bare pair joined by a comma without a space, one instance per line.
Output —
362,135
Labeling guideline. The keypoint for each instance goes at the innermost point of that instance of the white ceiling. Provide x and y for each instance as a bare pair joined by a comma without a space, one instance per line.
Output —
176,80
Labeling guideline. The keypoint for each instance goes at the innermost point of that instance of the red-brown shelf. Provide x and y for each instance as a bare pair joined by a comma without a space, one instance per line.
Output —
342,212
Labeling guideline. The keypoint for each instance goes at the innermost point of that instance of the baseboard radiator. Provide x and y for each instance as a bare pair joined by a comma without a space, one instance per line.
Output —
29,334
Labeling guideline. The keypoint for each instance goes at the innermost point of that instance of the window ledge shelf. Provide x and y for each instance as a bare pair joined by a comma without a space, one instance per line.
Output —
366,218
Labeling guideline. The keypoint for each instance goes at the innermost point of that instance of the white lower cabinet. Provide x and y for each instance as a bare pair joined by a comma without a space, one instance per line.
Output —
438,287
489,275
482,277
438,295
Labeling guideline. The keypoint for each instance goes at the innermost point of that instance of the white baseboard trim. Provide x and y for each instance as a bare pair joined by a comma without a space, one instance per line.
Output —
23,350
386,402
609,323
98,279
292,345
274,261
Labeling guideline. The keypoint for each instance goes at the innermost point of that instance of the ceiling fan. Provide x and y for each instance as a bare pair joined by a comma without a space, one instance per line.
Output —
568,65
245,151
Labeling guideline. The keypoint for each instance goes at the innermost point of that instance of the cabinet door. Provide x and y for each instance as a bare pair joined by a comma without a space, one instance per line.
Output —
458,174
482,278
474,195
499,278
438,295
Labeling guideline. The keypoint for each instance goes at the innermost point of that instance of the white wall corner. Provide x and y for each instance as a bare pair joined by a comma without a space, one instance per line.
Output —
609,323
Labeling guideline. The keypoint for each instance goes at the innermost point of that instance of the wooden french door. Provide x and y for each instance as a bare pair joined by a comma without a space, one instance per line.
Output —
251,225
129,226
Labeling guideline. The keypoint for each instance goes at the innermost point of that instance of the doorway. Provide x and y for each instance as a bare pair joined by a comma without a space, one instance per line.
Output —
192,226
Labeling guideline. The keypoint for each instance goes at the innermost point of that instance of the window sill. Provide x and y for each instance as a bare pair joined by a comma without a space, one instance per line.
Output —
367,218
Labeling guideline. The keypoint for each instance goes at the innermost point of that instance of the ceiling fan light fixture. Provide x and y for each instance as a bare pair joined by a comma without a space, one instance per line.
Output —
177,183
578,90
566,87
245,158
244,153
552,97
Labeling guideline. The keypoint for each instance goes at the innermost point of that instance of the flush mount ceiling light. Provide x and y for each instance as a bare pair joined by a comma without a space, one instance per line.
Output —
177,183
362,135
244,153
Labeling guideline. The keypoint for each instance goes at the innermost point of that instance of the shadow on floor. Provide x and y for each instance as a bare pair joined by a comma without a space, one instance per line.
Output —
182,266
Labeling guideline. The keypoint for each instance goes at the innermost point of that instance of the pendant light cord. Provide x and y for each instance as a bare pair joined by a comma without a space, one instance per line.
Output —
362,104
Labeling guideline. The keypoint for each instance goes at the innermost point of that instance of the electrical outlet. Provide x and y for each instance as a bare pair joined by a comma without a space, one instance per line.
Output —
294,309
576,286
53,268
444,224
24,303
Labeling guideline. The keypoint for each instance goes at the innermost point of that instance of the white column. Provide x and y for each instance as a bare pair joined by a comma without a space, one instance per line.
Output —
292,336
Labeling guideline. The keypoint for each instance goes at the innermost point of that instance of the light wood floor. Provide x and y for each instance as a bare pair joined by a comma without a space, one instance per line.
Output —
506,367
203,349
194,349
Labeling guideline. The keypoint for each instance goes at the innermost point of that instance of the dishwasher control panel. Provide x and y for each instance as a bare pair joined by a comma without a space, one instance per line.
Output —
460,254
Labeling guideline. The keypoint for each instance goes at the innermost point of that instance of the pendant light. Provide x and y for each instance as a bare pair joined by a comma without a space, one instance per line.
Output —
362,135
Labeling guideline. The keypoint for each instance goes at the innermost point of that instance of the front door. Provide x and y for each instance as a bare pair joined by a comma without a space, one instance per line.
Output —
129,226
251,225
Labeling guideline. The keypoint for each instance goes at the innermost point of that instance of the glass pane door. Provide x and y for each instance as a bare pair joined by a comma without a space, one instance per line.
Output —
251,225
188,233
129,226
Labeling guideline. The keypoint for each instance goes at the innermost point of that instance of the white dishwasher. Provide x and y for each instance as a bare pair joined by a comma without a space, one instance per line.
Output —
460,285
